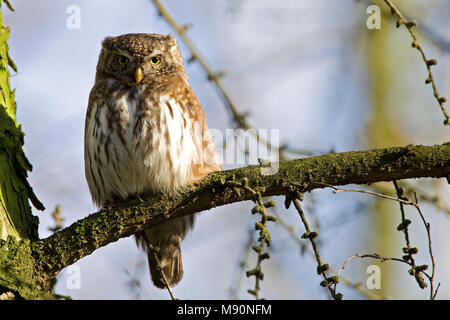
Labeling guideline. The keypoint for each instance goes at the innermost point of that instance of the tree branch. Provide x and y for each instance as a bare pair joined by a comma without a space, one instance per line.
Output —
65,247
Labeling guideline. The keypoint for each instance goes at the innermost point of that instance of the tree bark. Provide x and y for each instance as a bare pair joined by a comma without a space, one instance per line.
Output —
16,220
15,212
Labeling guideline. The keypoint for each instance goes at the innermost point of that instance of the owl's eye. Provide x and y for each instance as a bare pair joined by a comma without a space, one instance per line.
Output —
122,60
155,60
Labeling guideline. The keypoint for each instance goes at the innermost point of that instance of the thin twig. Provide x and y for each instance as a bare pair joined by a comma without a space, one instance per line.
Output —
163,276
421,195
374,256
403,226
430,250
410,251
378,257
415,270
322,268
237,273
264,239
336,190
355,285
154,251
239,118
426,30
56,215
428,62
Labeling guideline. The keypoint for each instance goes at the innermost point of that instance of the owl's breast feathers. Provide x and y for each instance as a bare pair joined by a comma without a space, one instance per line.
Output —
151,137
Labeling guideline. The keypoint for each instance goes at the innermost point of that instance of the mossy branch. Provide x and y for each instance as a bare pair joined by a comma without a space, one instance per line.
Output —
108,225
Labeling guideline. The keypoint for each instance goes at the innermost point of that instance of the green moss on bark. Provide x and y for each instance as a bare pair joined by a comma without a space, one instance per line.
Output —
99,229
17,272
15,213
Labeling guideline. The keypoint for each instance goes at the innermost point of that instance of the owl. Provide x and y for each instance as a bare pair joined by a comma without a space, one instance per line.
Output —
145,132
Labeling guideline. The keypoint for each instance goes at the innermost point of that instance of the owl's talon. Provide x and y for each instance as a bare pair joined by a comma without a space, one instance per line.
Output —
108,206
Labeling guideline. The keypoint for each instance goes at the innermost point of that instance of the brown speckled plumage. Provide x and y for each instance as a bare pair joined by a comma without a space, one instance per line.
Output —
146,135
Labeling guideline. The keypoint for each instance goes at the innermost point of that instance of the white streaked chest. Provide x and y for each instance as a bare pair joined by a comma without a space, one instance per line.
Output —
135,145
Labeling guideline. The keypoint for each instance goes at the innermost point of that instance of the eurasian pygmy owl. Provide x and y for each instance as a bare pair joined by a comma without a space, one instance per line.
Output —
145,132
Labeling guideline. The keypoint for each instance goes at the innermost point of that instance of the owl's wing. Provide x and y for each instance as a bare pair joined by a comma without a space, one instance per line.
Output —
209,161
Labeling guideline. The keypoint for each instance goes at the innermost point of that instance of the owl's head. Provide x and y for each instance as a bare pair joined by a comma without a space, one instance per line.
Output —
139,57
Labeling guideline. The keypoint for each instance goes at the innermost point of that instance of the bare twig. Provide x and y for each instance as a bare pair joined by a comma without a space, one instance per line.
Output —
411,251
239,119
374,256
56,215
163,276
428,62
403,226
415,270
430,250
336,190
8,4
154,250
355,285
426,30
264,239
421,195
322,268
237,277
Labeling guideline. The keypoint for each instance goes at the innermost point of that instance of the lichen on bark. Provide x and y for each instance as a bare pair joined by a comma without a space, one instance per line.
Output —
108,225
17,271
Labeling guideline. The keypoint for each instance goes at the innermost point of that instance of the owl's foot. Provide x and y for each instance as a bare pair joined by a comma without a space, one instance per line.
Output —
135,197
108,205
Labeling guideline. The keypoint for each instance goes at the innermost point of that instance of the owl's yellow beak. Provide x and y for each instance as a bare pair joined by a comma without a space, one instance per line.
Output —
138,75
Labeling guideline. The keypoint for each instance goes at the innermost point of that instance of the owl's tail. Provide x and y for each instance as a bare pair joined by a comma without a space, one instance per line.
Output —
165,257
168,260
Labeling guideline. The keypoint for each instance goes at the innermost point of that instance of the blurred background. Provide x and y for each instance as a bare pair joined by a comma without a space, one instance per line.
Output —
312,70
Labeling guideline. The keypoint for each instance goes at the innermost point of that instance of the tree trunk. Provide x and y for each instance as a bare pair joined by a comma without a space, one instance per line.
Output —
16,220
